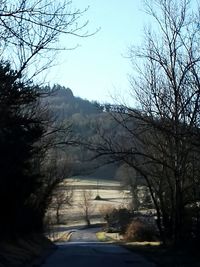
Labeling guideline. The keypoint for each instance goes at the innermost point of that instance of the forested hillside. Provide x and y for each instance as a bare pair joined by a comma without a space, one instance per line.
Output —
65,105
83,117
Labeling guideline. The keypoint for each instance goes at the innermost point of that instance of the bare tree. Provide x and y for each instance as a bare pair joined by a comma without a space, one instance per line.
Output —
86,205
167,89
62,198
54,168
160,139
129,178
31,30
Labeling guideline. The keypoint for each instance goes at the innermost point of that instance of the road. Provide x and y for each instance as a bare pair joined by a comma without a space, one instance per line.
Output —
84,235
84,250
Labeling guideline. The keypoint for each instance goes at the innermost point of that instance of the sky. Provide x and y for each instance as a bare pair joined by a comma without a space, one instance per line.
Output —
98,69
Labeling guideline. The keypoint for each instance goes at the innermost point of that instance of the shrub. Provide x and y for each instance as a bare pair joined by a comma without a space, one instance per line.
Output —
139,230
118,219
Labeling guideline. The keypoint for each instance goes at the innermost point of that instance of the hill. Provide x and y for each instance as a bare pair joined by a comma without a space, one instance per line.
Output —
83,116
64,104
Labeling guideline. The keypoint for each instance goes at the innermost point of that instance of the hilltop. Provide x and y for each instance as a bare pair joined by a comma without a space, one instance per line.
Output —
83,116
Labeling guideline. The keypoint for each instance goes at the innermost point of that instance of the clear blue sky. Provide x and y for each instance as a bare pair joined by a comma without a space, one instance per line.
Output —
98,67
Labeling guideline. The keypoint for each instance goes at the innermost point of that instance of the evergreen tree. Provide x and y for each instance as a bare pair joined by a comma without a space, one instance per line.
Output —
21,126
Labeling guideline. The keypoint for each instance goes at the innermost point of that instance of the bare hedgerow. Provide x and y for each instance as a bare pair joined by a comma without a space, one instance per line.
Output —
139,230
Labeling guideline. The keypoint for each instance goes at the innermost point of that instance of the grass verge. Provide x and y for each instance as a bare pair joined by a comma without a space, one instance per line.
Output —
105,237
101,236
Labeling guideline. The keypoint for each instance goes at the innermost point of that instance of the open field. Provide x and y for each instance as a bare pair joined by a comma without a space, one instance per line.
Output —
85,183
110,192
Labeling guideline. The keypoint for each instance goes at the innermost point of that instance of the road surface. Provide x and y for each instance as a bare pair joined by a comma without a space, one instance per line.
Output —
84,235
84,250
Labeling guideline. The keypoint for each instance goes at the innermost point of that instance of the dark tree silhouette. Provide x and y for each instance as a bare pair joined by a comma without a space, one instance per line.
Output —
21,126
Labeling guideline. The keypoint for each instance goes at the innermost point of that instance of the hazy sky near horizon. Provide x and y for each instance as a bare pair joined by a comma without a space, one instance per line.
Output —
99,67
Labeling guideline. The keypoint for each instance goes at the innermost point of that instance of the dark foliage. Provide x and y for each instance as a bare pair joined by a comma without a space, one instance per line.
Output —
118,220
20,128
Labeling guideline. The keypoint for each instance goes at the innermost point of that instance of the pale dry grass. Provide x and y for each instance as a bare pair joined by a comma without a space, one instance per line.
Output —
59,236
111,197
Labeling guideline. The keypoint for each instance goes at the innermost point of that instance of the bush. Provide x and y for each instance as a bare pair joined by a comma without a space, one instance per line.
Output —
118,219
139,230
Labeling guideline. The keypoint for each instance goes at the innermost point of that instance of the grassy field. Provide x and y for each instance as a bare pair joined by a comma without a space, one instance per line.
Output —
111,196
91,183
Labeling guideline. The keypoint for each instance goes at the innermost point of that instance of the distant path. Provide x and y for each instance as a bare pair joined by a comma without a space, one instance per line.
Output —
85,235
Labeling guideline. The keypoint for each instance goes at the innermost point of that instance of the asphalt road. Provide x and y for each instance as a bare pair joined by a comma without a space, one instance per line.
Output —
84,235
83,250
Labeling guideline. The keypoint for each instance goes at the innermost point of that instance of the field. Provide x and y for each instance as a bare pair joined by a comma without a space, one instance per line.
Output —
113,196
84,193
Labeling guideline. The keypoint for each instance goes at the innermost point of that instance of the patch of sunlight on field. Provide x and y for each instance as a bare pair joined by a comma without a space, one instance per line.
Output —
91,181
111,196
